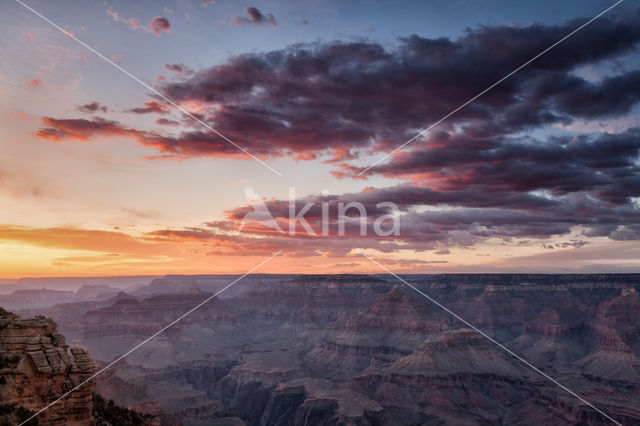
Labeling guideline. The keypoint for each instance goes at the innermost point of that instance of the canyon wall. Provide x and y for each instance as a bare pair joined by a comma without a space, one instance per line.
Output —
352,349
37,366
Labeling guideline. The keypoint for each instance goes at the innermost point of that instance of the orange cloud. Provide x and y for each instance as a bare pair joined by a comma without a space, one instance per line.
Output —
73,239
65,251
19,115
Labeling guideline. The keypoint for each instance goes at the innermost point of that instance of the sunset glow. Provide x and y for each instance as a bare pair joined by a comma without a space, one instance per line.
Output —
101,176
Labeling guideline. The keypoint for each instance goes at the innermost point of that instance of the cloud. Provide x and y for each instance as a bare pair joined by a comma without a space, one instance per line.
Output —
165,122
255,17
407,262
462,217
328,96
114,15
510,191
604,166
494,170
596,258
34,82
223,244
159,24
71,238
133,23
78,129
573,243
179,69
184,145
344,100
92,107
151,106
18,185
611,96
18,115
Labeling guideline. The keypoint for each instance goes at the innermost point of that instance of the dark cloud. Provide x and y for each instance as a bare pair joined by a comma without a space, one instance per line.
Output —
606,166
248,245
344,99
309,98
179,69
421,231
490,171
186,144
92,107
151,106
254,16
573,243
526,192
455,218
165,122
577,97
158,25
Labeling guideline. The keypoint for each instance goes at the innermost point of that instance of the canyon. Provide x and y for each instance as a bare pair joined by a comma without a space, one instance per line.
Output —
365,349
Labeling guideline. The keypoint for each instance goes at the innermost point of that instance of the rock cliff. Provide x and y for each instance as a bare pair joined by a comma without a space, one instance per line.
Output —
37,366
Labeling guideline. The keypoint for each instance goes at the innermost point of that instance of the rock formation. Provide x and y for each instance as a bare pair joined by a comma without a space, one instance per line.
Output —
349,349
37,367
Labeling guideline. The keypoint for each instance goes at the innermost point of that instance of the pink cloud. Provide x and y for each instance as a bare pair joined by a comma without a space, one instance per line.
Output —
114,15
19,115
158,25
134,23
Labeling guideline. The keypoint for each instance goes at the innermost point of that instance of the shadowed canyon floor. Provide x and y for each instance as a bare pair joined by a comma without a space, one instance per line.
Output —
352,349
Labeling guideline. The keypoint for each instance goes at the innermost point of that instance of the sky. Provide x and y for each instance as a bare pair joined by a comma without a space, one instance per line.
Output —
100,175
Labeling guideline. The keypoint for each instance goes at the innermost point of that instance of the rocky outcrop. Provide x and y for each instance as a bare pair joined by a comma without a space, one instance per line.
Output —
317,401
391,327
142,318
37,367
